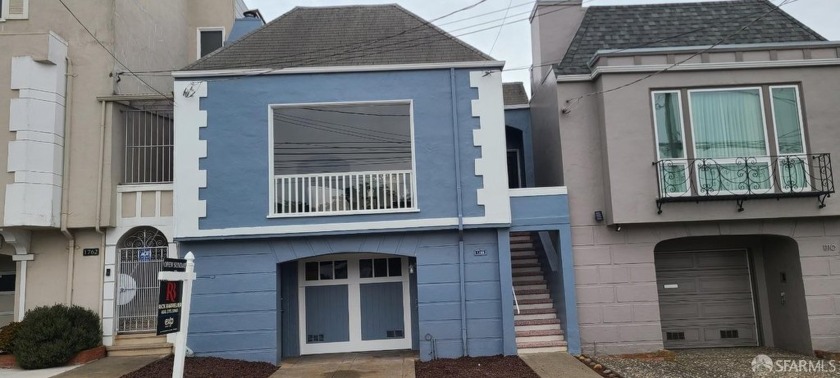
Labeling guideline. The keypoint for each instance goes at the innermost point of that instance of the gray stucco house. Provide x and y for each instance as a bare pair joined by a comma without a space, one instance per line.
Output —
695,140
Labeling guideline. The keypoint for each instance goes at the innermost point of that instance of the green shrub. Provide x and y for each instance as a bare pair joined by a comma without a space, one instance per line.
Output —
7,336
51,336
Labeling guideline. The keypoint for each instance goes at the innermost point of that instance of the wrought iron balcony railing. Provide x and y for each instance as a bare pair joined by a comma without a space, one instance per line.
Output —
743,178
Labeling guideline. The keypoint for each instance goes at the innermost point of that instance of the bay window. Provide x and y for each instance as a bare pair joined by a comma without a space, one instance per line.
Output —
728,143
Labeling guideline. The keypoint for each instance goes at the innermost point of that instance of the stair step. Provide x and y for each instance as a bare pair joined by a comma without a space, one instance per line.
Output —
533,316
539,327
540,344
518,287
539,339
530,291
525,281
530,254
535,306
519,265
532,296
533,311
524,257
159,349
540,332
522,247
527,274
534,301
531,269
139,339
536,322
541,350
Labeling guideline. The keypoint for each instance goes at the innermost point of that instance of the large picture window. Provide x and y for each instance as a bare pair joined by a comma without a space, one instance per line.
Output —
348,158
727,145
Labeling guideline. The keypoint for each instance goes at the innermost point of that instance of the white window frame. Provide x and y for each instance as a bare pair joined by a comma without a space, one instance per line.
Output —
721,161
684,159
4,11
198,37
272,207
804,154
353,282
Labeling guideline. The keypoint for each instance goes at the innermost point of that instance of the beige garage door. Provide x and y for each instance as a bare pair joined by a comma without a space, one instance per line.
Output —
705,299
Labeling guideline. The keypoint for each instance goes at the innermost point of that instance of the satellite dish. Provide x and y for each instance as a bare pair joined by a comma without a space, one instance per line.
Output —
127,289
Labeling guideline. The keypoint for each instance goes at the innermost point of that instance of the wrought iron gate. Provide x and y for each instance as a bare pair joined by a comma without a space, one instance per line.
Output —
141,255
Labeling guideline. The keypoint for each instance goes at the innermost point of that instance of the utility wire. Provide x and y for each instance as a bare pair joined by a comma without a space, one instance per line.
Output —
111,53
493,47
576,100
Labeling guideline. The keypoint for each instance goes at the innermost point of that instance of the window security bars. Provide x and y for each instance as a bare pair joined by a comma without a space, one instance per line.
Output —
742,178
343,193
148,146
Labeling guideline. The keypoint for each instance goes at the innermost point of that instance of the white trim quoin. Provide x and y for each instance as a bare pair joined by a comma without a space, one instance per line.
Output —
490,138
188,208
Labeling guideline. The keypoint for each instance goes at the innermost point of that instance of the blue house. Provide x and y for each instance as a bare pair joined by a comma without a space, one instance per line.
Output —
341,177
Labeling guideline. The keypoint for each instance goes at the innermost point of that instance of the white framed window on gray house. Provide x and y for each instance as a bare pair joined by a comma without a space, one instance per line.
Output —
729,143
341,158
14,9
209,39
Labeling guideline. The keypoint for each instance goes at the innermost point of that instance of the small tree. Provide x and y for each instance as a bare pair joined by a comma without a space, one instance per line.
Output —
51,336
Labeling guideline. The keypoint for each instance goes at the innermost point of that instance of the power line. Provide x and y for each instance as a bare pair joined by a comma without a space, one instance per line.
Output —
577,99
492,47
111,53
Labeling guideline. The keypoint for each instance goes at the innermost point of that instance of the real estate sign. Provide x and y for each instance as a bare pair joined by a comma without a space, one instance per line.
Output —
170,298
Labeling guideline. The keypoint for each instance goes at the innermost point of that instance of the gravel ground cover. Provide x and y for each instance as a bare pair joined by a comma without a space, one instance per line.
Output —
717,363
475,367
206,367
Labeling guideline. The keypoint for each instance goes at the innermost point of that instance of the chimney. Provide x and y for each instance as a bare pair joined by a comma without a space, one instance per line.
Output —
554,24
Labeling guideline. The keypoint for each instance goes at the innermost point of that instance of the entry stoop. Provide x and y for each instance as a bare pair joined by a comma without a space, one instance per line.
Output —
143,344
537,328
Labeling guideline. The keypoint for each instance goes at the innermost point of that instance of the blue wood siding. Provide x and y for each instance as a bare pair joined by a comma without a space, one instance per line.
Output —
253,303
327,314
237,145
539,210
382,310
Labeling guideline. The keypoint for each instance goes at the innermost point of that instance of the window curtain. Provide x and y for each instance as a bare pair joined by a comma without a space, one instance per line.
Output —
786,115
728,123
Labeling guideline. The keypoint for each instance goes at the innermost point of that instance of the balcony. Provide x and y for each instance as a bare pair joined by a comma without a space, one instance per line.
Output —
344,193
744,178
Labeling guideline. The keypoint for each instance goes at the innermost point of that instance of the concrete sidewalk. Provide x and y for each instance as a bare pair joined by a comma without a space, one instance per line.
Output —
557,364
109,367
395,364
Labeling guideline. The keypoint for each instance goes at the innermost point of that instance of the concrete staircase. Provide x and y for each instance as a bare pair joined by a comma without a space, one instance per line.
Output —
537,328
140,344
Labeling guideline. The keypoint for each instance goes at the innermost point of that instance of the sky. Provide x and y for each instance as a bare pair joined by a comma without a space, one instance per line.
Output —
512,42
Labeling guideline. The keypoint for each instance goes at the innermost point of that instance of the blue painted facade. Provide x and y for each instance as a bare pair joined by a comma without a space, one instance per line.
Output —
246,299
237,162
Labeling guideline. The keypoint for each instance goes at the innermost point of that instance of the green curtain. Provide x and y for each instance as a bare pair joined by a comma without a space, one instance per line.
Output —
728,123
788,126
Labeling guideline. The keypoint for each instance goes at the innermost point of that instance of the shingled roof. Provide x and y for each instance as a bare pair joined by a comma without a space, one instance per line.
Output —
514,94
690,24
341,36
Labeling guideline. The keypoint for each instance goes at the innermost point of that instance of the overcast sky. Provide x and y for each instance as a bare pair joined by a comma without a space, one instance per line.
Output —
514,40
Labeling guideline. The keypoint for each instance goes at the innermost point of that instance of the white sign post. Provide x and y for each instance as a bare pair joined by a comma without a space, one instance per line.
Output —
181,337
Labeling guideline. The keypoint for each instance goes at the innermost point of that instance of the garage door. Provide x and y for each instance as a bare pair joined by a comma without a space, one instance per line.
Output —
705,299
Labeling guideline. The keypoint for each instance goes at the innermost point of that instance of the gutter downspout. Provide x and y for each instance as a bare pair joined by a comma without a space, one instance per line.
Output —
99,172
65,181
459,190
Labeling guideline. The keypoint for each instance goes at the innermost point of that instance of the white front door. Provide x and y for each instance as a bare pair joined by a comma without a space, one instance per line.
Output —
354,303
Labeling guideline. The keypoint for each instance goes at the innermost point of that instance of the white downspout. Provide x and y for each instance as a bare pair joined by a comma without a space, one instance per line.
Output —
22,292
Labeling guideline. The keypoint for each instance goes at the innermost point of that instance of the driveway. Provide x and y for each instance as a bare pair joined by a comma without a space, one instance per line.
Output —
724,362
396,364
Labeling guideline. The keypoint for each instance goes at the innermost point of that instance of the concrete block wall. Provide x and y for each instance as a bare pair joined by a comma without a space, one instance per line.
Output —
615,275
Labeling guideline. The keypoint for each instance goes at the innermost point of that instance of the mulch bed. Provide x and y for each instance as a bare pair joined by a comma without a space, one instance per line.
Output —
475,367
206,367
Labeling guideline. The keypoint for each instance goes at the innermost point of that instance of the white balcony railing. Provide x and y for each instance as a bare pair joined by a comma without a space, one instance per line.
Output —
344,193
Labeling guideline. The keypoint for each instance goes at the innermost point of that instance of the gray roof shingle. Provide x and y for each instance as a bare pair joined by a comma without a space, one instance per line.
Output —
689,24
341,36
514,94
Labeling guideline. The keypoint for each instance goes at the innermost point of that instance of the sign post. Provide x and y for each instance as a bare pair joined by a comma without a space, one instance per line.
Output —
175,298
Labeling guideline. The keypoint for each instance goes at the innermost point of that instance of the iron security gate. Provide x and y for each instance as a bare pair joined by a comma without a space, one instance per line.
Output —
141,255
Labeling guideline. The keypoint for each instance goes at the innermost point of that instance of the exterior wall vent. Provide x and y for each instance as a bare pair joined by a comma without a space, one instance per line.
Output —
729,334
675,335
